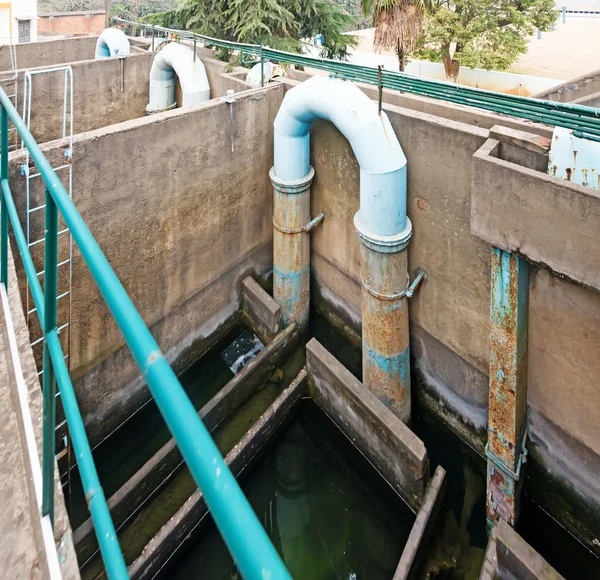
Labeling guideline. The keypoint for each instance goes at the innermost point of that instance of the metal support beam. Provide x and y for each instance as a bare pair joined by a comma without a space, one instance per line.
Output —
508,385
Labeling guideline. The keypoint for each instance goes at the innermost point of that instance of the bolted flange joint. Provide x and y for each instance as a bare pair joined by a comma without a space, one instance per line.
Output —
383,244
292,187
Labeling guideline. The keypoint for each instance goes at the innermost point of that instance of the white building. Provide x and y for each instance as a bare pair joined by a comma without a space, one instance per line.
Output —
18,20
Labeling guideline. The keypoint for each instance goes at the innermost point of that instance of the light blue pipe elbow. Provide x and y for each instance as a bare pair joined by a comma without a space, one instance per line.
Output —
378,152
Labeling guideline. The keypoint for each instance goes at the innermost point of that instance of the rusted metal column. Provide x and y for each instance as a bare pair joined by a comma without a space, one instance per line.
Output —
507,431
291,247
385,289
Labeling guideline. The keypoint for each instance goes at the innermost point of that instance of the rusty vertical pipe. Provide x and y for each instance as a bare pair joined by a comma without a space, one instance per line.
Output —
507,384
381,222
385,348
291,247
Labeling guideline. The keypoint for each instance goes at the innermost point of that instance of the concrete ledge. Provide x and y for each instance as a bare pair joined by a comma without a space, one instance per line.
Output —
179,528
394,450
422,529
158,470
548,220
261,310
490,560
514,558
29,548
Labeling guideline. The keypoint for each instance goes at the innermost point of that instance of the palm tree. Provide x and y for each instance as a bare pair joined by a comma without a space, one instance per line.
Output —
398,24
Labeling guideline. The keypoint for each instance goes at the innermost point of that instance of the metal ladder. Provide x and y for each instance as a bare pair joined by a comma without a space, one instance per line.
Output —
36,215
11,79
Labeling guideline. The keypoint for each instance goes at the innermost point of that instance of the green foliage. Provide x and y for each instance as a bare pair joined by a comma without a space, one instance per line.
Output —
489,34
276,23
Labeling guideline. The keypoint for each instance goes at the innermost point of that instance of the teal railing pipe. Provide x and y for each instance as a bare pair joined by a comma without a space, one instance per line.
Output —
246,539
579,118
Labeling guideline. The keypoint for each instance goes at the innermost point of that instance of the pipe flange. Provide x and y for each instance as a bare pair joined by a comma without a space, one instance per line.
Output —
294,186
383,244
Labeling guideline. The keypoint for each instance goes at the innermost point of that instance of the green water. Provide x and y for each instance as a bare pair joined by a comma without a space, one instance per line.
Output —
326,509
148,520
128,448
458,545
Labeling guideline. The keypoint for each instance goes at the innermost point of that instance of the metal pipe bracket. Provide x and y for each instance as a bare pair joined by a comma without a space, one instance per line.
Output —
497,461
406,293
309,226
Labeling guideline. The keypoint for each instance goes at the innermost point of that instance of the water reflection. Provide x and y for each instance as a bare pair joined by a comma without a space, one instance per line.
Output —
326,510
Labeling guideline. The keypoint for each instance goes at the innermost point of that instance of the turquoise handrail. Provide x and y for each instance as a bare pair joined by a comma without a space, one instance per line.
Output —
246,539
585,121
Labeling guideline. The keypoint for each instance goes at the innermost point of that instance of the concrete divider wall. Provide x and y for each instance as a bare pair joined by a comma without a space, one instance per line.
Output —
182,219
98,100
48,53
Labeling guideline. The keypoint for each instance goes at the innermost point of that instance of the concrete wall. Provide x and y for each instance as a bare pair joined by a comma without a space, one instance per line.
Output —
97,97
182,219
574,89
71,22
45,54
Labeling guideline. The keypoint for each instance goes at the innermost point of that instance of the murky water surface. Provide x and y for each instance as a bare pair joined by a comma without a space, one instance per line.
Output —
326,509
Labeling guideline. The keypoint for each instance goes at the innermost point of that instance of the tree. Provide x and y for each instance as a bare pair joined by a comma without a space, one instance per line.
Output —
489,34
398,24
279,24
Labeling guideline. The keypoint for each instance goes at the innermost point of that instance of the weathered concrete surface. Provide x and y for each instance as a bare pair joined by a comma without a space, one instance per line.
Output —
574,89
181,218
394,450
155,473
452,307
180,527
549,220
97,97
22,550
516,559
422,530
261,311
490,559
48,53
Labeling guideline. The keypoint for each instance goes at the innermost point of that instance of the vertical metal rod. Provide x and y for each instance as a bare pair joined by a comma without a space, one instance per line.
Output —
262,67
122,74
64,126
3,209
508,384
50,292
379,84
194,49
153,38
564,14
